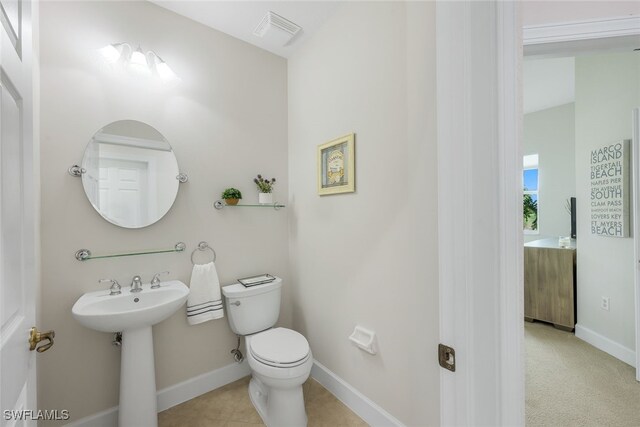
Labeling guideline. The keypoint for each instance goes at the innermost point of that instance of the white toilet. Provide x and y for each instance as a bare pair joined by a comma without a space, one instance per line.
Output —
280,359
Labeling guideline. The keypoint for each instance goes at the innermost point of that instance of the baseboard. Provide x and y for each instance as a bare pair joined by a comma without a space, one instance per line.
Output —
175,394
106,418
364,407
603,343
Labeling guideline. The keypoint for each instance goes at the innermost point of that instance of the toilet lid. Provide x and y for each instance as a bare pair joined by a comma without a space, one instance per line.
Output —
279,347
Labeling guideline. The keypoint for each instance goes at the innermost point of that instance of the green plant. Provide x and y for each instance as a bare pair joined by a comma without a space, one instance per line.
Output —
265,185
231,193
530,212
567,206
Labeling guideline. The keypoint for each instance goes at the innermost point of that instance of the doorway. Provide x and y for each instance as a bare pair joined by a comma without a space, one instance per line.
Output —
578,118
480,192
587,41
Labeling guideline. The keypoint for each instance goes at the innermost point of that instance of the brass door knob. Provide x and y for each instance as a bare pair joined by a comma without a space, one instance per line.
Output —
35,337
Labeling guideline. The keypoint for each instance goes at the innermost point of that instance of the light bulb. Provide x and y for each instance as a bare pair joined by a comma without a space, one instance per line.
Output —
138,62
165,72
110,53
138,58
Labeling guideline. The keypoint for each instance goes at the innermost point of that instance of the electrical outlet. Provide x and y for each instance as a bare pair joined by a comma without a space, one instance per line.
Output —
604,304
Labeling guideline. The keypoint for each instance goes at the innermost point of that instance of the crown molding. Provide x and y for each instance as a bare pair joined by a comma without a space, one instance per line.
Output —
582,30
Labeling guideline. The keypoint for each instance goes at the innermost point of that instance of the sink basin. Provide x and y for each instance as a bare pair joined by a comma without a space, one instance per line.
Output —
116,313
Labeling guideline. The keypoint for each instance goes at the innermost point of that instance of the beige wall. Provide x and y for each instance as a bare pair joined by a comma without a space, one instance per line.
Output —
535,12
226,121
550,133
369,258
607,89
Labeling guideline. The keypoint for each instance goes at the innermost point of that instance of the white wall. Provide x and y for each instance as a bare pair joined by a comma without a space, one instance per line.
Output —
607,88
546,12
370,257
550,133
226,121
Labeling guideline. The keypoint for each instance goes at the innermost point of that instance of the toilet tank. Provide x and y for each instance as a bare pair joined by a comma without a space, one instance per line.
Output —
258,308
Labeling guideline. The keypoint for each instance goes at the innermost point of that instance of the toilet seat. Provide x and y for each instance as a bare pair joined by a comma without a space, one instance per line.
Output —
280,348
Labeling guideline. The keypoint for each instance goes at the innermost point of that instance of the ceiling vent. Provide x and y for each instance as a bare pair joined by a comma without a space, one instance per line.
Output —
277,29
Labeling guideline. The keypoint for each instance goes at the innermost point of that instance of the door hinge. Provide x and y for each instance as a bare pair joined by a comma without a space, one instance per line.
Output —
447,357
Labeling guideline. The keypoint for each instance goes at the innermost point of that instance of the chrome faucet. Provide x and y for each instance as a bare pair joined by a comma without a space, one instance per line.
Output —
155,282
136,284
115,286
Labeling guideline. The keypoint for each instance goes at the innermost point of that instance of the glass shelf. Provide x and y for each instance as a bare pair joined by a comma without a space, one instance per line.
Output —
85,254
219,204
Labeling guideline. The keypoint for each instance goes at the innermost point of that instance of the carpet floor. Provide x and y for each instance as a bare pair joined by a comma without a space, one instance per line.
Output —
571,383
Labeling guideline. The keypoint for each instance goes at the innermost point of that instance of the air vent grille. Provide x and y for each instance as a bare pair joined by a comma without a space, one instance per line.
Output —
274,20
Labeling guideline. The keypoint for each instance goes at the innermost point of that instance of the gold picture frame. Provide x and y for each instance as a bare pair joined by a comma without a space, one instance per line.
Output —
336,166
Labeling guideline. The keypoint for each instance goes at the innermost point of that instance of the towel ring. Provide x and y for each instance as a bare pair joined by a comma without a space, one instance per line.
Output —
203,246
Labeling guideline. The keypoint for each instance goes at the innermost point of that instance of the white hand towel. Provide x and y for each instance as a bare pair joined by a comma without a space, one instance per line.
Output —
205,301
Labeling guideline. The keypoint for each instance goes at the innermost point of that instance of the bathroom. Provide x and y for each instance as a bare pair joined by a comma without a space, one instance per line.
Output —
237,111
422,252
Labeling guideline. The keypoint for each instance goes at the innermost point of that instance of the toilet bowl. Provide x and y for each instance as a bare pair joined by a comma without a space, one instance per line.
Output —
280,359
280,362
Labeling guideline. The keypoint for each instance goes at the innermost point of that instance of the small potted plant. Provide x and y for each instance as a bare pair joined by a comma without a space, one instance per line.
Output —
265,188
231,196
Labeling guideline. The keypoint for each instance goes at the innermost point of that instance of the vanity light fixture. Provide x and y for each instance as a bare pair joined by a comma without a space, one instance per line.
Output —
138,61
163,70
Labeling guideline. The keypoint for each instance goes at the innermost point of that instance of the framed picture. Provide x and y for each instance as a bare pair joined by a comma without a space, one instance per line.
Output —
336,166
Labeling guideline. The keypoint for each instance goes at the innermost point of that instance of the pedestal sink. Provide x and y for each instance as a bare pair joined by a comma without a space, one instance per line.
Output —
133,314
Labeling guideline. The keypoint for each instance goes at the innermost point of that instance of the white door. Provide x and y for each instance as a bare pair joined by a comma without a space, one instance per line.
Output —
122,186
18,243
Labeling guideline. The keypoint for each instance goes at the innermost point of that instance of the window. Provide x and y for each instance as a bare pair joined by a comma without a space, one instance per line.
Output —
530,194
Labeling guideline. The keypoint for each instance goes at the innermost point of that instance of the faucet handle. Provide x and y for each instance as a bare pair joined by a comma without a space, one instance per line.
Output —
115,286
155,282
136,284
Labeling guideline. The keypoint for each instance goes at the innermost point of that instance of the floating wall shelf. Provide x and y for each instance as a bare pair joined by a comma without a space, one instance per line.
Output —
219,204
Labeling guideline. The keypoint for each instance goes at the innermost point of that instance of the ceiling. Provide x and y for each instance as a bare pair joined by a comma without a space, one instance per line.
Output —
240,18
548,83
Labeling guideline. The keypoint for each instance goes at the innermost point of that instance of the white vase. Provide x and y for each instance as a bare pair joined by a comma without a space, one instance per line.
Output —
265,198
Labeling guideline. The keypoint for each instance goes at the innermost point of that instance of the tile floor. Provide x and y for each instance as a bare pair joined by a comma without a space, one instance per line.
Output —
229,406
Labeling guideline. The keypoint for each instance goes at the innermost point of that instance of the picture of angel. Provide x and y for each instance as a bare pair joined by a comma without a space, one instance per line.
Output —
336,166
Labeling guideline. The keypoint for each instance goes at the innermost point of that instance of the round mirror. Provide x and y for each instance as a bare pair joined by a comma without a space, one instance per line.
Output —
130,174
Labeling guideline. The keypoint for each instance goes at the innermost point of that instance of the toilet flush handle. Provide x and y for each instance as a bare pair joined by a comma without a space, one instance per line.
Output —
236,303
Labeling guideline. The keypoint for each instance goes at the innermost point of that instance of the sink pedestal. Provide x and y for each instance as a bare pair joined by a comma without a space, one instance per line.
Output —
138,401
